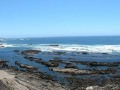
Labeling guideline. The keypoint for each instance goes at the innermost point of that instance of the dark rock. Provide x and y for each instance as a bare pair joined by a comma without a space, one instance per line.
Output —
54,45
90,63
25,66
83,71
80,83
56,60
115,76
84,52
38,60
59,53
70,65
3,61
17,51
50,64
104,53
106,71
30,52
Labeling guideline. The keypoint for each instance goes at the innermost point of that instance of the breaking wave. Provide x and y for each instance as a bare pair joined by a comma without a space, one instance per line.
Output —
70,47
81,48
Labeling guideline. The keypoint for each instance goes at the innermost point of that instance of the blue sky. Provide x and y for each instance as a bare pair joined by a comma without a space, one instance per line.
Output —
46,18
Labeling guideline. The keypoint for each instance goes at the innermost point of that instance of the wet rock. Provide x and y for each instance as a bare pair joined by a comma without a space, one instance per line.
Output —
106,87
105,53
54,45
106,71
3,64
94,88
25,66
115,76
80,83
84,52
56,60
104,64
3,61
72,71
59,52
90,63
16,51
83,72
30,52
2,46
70,65
38,60
50,64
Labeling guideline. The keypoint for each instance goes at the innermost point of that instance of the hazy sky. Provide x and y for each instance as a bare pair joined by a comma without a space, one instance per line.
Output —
42,18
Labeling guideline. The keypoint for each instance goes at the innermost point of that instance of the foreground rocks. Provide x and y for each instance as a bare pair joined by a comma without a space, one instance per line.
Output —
106,87
8,82
26,81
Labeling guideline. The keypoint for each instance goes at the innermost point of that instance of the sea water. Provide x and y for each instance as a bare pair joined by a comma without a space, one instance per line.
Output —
97,48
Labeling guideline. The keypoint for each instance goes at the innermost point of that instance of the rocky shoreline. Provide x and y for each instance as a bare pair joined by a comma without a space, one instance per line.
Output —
28,77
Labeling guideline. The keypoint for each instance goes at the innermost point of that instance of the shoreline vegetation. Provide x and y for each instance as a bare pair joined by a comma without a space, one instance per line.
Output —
28,77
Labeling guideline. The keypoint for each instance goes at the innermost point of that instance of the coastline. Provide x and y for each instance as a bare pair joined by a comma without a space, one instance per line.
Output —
19,80
13,79
28,77
35,66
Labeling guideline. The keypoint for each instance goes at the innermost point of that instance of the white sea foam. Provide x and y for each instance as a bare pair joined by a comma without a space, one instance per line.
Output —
81,48
7,45
69,47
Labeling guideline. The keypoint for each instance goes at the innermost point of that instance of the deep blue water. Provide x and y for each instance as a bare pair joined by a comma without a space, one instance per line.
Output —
88,40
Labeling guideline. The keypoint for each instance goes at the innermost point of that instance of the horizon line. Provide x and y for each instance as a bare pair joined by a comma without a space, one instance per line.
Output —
64,36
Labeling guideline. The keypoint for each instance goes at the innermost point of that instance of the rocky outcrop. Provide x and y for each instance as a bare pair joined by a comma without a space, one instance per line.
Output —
37,60
8,82
71,71
3,63
2,46
84,72
25,81
106,87
30,52
90,63
54,45
70,65
26,66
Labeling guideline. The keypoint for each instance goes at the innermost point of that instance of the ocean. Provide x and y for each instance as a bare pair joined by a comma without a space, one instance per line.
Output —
91,48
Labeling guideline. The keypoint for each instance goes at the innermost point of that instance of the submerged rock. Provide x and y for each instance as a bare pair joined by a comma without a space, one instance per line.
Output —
59,52
70,65
37,60
30,52
16,51
54,45
50,64
85,52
